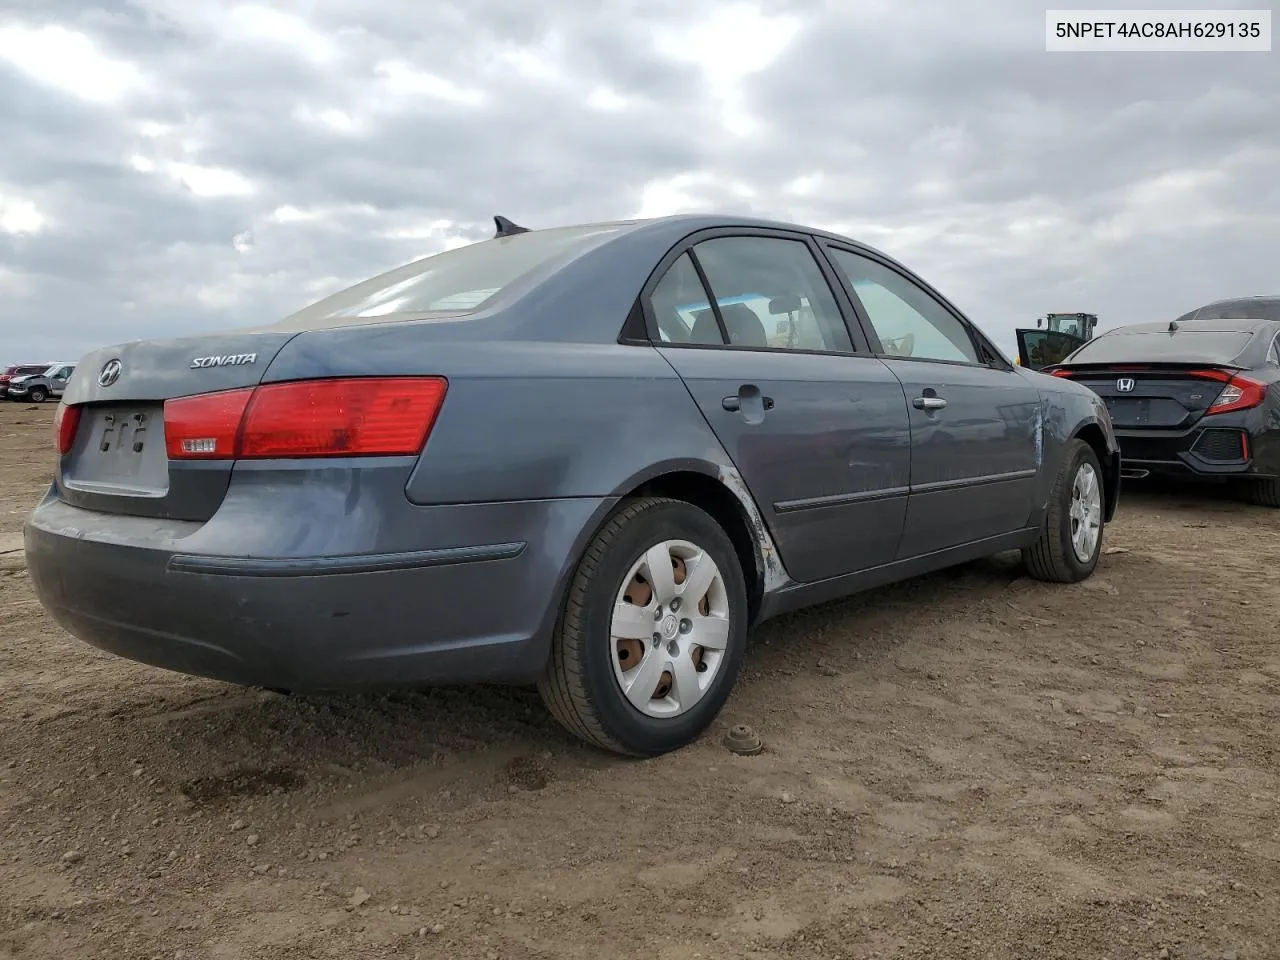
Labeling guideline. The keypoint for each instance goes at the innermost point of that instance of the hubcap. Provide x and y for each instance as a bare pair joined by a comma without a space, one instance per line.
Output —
1086,512
670,628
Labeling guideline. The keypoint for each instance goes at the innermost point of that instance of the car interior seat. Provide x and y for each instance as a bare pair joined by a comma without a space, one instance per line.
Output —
743,325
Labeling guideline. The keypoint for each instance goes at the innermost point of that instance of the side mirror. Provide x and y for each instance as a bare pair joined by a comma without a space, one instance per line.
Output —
785,304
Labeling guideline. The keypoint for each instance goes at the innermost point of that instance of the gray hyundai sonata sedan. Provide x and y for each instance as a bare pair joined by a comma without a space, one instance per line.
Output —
588,458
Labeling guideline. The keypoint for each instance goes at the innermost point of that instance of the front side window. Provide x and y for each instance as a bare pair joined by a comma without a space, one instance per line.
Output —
908,321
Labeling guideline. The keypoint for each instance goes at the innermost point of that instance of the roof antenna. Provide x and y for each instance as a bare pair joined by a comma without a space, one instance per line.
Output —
506,228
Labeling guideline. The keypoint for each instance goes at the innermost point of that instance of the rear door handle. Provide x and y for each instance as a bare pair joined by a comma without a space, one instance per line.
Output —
747,394
734,404
928,403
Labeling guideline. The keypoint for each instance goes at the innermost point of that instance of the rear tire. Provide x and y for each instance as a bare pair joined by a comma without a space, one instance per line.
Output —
38,395
1264,493
595,657
1056,556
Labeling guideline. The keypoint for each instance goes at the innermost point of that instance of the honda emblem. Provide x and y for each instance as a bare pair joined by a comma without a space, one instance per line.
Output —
1125,385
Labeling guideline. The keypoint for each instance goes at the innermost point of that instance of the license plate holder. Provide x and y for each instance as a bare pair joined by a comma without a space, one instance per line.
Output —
1129,410
120,449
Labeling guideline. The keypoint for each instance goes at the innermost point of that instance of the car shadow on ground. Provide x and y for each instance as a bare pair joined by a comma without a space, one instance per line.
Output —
212,743
1183,494
222,742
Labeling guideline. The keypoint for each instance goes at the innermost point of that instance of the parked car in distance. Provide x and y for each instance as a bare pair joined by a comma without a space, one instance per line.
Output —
18,370
39,387
587,458
1237,308
1194,398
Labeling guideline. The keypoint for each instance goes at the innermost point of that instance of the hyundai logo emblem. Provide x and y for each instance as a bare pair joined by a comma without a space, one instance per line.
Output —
1125,384
110,373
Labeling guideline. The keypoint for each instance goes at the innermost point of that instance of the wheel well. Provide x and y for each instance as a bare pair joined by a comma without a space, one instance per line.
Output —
715,498
1092,434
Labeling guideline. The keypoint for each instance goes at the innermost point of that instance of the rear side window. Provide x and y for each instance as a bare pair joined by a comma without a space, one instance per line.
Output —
457,281
1184,346
680,306
769,292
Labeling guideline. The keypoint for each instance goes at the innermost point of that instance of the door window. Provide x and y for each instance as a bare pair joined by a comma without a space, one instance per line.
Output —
770,292
908,321
680,306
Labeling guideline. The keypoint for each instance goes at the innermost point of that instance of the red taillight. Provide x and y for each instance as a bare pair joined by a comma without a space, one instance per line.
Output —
205,427
65,423
1062,373
1240,393
336,418
356,417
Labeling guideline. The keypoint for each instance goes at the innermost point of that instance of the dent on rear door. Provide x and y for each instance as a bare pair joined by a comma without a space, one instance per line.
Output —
827,462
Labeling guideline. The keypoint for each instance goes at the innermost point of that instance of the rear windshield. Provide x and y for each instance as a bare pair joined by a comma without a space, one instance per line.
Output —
1159,346
457,281
1259,309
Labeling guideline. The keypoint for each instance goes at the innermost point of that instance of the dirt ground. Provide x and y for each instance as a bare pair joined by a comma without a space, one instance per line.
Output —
971,764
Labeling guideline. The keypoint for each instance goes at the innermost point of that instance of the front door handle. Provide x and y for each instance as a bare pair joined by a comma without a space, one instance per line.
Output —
928,403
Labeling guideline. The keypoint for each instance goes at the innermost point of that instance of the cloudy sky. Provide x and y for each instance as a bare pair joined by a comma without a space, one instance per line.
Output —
183,165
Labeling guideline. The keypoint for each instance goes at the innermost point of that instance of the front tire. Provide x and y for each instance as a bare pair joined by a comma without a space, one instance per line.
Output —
1071,538
37,395
653,631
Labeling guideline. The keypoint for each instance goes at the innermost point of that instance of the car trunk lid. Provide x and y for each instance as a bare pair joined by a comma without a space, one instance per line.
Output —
117,462
1152,396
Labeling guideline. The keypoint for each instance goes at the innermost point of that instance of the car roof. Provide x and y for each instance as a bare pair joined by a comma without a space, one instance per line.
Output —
1228,341
706,221
1228,325
1265,306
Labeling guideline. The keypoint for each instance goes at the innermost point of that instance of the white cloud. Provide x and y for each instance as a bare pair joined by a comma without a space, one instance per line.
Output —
689,193
606,98
401,80
68,61
262,23
735,41
210,181
19,216
329,118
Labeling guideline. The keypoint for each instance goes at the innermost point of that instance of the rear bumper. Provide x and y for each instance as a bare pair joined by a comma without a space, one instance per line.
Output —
1221,450
460,612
